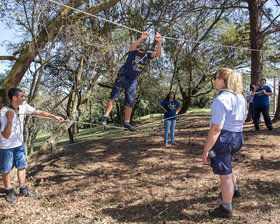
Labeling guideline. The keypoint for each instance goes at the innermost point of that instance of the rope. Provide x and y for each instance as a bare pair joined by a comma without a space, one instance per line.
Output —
162,120
166,37
99,125
72,121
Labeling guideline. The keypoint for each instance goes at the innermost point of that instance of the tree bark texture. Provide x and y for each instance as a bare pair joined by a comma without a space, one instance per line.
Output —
277,113
256,39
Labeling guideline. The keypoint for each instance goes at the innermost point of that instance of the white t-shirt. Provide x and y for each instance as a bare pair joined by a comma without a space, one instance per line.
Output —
230,110
16,137
249,97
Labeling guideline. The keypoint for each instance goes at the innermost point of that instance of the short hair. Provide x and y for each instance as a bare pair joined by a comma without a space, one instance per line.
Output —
13,92
263,79
143,47
232,79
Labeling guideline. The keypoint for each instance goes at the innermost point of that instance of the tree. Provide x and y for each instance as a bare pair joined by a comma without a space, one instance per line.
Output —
259,30
38,42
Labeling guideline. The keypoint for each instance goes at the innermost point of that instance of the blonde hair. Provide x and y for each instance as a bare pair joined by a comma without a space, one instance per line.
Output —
232,79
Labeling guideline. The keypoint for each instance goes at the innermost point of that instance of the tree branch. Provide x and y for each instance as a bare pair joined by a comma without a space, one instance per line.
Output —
8,58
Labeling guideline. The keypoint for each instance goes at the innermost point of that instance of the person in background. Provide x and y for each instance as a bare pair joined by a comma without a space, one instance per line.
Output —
170,106
12,148
249,98
137,58
225,138
261,105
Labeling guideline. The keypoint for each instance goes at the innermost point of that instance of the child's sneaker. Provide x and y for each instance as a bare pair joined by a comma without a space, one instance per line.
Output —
129,126
103,121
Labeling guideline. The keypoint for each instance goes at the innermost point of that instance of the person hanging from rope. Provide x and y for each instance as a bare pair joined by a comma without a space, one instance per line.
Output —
225,138
170,106
127,77
12,148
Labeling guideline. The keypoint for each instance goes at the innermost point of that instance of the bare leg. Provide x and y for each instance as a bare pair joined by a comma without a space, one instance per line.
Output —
6,179
127,113
227,187
109,107
21,176
234,178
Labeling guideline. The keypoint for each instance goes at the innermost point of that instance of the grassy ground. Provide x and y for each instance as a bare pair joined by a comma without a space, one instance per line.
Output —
115,176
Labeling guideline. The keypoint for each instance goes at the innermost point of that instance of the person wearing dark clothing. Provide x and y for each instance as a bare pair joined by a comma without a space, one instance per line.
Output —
261,105
137,58
170,106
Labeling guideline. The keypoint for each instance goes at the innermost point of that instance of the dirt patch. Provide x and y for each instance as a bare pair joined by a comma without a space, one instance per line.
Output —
132,178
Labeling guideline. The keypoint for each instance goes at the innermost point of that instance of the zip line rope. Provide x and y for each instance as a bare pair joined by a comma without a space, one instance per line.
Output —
93,124
166,37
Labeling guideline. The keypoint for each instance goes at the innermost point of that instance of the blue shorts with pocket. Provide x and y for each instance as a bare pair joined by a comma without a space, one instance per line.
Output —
9,157
130,89
226,146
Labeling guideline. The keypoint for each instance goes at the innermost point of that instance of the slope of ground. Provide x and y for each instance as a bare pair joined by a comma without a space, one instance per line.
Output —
123,177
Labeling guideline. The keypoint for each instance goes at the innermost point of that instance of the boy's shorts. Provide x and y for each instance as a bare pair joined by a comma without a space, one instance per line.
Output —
226,146
9,157
130,89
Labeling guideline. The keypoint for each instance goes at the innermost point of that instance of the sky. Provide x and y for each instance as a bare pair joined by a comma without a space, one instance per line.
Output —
7,34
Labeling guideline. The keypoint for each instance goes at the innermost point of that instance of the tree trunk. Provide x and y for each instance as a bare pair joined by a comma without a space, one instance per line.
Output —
185,104
277,113
71,133
256,39
68,111
50,144
31,50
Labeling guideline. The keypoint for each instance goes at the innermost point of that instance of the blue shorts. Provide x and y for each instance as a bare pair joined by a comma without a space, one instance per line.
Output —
130,89
9,157
226,146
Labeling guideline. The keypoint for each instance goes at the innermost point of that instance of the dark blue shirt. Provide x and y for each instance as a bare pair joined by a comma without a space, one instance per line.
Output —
171,107
134,64
260,99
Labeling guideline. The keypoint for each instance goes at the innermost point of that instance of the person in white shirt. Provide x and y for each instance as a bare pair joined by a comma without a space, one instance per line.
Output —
225,137
12,148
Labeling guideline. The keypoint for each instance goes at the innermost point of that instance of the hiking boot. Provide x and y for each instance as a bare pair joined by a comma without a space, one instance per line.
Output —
10,196
236,194
174,143
24,191
103,121
221,212
129,127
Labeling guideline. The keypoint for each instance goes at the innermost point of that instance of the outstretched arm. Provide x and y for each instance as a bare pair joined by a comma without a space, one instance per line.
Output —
137,42
159,46
46,114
